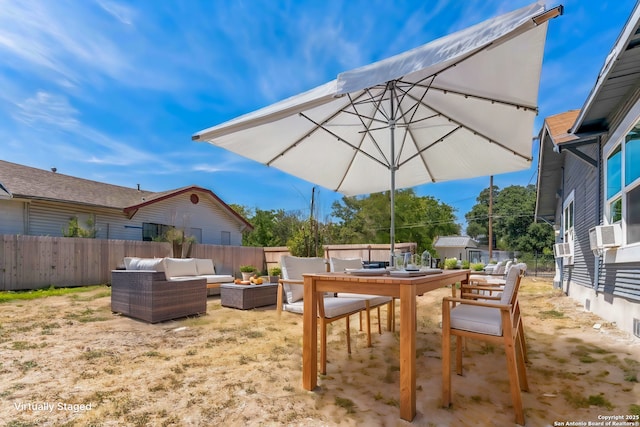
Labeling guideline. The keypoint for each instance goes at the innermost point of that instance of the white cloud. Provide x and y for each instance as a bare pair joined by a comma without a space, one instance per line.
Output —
46,109
122,13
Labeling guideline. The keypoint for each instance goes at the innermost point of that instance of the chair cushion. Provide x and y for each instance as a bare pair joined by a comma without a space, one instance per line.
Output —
483,320
341,264
510,284
178,267
205,266
293,268
333,307
499,268
133,263
374,300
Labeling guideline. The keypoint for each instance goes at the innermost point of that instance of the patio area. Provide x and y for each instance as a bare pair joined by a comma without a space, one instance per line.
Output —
69,360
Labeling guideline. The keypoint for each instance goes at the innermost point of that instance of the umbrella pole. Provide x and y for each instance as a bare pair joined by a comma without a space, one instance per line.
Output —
392,229
392,200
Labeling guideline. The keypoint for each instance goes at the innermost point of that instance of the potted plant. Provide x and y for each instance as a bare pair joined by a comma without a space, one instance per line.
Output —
274,274
247,271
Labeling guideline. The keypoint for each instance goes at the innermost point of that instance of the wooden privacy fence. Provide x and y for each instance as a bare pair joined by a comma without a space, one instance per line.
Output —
32,262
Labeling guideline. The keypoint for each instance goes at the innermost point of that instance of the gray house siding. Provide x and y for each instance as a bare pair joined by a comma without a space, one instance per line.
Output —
50,219
12,213
581,178
621,280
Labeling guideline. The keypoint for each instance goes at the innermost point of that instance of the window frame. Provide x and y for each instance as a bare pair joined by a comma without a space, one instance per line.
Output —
628,251
568,225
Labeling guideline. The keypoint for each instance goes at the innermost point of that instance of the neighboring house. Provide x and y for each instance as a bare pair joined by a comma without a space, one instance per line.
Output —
589,188
37,202
463,248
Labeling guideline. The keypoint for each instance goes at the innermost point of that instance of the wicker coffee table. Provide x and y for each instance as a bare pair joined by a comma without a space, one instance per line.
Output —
246,297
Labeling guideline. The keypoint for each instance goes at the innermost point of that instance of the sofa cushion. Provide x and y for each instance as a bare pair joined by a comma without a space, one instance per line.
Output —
128,260
134,263
176,267
205,266
217,278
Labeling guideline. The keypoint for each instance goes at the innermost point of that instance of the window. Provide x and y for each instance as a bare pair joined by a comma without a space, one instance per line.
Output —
633,215
225,238
151,231
568,216
195,233
623,185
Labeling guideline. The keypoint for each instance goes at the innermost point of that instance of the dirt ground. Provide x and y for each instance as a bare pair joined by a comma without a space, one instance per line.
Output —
70,361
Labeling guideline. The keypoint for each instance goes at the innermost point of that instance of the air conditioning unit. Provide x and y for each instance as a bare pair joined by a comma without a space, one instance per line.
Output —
562,250
605,236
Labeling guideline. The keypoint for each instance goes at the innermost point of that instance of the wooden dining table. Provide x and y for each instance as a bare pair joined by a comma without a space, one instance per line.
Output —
405,288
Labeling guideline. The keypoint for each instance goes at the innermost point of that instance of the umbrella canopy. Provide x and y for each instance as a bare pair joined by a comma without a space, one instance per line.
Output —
459,107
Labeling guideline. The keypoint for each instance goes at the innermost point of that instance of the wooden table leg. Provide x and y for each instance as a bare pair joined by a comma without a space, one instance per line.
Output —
310,335
407,352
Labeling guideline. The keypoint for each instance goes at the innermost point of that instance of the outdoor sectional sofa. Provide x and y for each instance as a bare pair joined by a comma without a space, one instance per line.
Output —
159,289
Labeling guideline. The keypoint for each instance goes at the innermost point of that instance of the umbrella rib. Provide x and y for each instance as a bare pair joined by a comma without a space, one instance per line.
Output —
441,139
474,131
411,120
373,140
483,98
319,126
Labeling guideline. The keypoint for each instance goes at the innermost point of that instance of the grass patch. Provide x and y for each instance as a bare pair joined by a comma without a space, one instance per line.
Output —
634,409
578,401
6,296
550,314
631,370
86,316
26,365
346,404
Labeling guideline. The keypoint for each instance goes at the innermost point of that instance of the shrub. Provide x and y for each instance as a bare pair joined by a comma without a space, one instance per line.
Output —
450,263
477,266
275,271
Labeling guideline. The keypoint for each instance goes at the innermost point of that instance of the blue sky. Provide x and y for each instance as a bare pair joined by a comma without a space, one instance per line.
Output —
113,90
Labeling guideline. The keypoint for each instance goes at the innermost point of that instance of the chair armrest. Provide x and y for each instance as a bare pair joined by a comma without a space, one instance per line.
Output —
491,288
291,281
472,296
448,300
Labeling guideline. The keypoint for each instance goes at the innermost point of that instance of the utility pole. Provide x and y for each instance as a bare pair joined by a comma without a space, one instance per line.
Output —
311,233
490,219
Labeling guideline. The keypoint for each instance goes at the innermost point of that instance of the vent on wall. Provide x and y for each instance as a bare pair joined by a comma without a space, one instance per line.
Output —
636,327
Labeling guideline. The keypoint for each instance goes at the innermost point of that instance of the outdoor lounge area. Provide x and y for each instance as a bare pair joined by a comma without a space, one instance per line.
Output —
235,367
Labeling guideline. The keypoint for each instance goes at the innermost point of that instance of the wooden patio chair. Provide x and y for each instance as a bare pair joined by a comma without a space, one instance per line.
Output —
371,301
497,322
330,308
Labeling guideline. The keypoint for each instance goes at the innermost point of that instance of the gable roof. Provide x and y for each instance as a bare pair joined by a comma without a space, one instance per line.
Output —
559,126
616,86
454,242
555,132
616,81
19,181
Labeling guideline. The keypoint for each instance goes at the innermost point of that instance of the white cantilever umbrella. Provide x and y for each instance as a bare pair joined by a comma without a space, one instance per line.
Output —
459,107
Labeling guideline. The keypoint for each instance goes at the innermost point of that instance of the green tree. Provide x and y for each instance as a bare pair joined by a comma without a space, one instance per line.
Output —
478,217
271,227
514,225
514,212
74,229
367,219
